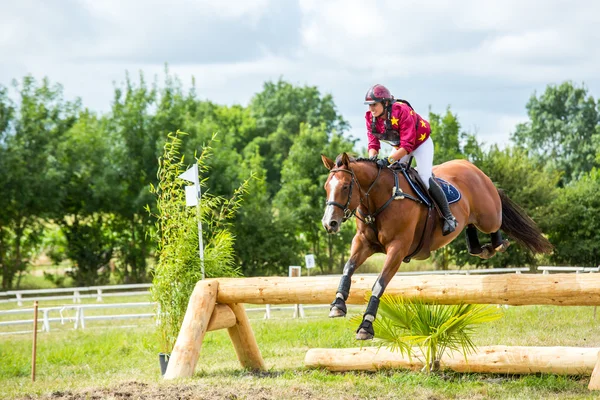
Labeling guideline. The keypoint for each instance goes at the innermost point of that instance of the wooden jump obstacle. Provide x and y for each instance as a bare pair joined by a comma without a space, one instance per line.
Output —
218,304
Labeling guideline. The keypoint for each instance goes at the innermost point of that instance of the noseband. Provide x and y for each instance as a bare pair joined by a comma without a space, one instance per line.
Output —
347,212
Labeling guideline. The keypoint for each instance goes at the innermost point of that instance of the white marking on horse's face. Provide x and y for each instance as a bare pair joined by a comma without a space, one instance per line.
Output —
334,183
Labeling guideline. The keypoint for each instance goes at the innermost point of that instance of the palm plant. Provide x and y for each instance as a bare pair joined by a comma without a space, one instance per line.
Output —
432,328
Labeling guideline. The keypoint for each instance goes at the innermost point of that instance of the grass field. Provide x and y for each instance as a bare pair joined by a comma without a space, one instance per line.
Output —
104,361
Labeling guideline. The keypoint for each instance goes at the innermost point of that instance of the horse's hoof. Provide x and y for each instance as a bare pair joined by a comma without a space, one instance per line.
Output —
336,312
362,334
487,252
503,246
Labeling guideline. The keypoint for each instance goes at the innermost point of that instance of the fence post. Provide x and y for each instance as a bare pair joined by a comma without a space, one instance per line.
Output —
46,323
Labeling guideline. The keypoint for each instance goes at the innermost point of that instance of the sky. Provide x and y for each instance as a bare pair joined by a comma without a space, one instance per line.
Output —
483,59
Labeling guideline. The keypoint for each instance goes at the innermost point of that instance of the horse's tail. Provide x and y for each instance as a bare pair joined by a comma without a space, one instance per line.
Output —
519,226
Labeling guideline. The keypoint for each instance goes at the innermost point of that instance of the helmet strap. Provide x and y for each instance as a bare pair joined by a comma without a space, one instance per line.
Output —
388,110
374,124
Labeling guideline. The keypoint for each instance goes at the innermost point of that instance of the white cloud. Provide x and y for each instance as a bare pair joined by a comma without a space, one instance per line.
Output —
484,58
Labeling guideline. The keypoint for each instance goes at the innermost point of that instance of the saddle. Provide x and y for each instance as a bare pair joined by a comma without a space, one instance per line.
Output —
423,197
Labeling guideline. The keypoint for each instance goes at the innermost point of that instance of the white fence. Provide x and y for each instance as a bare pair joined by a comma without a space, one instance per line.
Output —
577,270
79,319
73,293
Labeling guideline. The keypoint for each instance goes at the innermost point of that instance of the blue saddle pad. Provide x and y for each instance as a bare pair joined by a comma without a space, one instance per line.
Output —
451,192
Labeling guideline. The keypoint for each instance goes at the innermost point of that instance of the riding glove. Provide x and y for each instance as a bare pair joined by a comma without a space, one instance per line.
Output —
383,162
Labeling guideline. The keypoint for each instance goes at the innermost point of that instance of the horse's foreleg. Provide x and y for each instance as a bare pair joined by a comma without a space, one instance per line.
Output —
359,252
392,263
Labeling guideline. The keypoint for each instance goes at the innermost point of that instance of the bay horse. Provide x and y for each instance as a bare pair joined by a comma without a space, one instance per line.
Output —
394,224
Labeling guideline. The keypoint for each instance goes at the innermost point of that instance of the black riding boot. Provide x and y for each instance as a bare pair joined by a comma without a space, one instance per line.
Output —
439,197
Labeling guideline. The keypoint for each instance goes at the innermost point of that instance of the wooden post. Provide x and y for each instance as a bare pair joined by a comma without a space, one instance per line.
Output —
595,380
243,339
184,356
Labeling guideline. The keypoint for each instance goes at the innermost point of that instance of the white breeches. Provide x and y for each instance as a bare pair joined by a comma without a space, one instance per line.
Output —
424,157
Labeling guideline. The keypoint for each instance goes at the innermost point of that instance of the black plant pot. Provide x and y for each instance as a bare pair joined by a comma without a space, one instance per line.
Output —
163,359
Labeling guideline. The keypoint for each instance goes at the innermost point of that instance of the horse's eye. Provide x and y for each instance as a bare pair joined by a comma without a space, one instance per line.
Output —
345,187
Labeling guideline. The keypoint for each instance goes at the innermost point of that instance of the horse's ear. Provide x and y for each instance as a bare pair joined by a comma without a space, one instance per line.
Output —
345,159
327,162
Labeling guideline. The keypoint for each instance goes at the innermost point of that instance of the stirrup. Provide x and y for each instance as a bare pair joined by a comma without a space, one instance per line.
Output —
449,226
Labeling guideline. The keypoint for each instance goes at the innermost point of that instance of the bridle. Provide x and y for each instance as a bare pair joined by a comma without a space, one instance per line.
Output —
347,212
368,218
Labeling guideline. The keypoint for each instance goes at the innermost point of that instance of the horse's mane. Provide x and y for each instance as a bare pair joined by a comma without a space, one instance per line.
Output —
338,160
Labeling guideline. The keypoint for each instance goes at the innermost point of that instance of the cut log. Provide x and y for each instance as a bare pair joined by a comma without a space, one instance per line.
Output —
595,380
221,318
184,356
244,342
512,289
488,359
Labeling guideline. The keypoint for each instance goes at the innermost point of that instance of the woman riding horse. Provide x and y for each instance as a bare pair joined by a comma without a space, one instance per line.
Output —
397,227
395,122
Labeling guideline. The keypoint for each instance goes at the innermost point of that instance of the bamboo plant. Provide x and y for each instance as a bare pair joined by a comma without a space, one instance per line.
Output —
178,266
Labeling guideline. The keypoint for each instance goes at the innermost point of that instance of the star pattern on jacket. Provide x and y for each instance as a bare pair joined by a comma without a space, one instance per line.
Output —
394,121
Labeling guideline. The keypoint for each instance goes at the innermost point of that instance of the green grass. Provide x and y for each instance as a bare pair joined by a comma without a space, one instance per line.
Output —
105,357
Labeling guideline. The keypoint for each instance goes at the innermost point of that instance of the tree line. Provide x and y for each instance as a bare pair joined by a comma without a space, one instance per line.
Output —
74,183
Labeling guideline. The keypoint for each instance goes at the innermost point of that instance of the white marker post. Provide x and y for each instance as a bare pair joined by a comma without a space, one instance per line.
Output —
309,259
296,271
192,198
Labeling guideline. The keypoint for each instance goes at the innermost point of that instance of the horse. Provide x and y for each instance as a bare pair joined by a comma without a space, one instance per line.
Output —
391,218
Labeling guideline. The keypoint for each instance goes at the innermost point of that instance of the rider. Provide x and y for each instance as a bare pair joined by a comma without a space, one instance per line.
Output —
395,122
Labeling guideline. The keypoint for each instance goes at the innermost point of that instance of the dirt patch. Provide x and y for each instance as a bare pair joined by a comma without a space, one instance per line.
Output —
140,390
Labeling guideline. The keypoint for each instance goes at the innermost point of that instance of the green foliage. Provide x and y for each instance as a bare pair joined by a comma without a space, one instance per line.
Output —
562,130
280,110
301,195
29,173
575,228
446,136
178,266
265,239
433,328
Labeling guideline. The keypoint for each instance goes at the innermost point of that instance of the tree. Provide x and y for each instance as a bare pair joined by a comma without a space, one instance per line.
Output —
575,222
90,192
279,111
266,239
301,194
562,130
446,136
30,191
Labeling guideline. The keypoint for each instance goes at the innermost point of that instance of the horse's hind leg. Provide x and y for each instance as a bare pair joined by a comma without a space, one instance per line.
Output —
475,248
473,244
499,244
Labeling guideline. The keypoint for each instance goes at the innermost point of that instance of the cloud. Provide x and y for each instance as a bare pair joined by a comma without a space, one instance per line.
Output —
483,58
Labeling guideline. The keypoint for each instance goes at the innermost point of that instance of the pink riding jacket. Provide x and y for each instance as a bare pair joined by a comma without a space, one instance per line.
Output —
409,130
